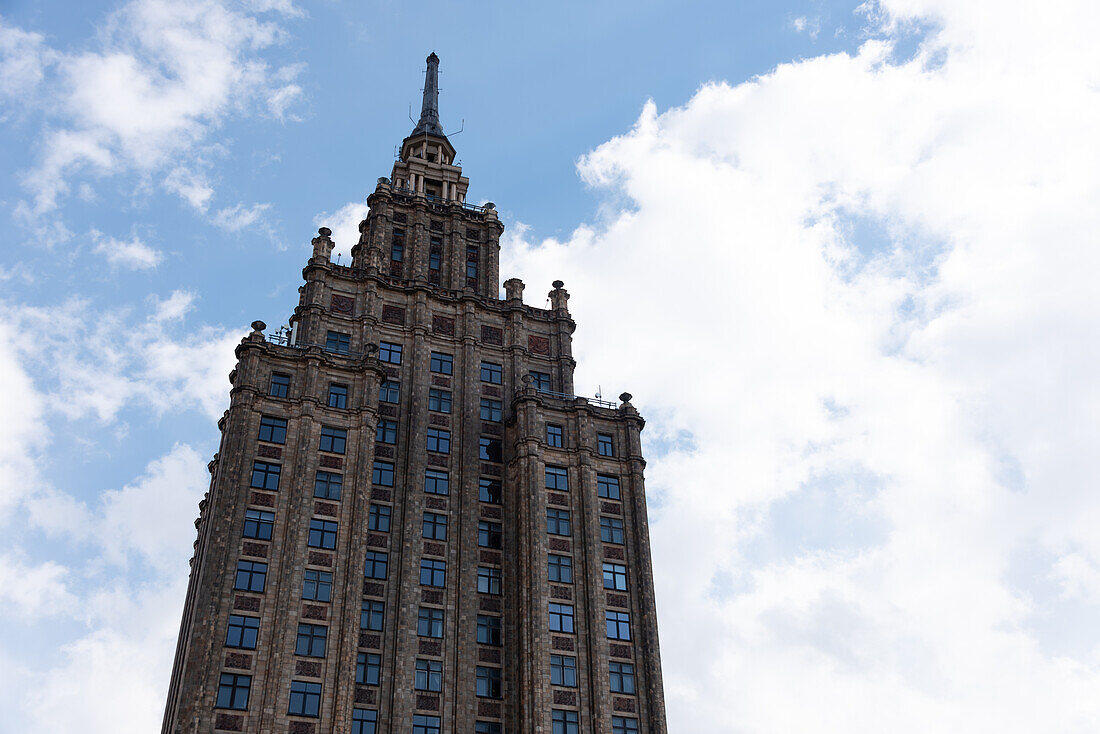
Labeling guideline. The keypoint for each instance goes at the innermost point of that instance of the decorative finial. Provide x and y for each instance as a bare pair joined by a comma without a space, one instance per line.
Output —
558,284
258,326
625,397
324,232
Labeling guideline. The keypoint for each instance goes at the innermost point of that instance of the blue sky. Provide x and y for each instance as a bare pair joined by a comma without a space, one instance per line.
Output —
840,253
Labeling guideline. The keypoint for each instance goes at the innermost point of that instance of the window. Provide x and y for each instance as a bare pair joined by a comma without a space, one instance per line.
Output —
486,727
311,640
557,478
560,569
389,392
328,485
233,691
338,342
280,385
618,625
272,430
540,380
436,482
564,722
491,410
258,524
386,432
251,576
397,246
242,632
622,677
376,565
489,449
488,580
305,698
439,441
333,440
429,675
607,487
488,630
388,352
265,475
433,573
488,682
425,724
557,522
435,263
435,526
563,670
368,667
317,585
338,396
488,490
553,436
623,725
378,519
364,721
492,373
429,622
471,269
489,534
614,576
442,363
371,615
561,617
322,534
382,473
439,400
604,444
611,530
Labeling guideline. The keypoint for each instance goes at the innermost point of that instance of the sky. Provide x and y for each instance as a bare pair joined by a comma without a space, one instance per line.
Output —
842,254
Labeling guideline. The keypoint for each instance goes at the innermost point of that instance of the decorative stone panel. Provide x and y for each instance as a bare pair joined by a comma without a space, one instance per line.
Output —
302,727
393,315
364,694
314,611
427,703
493,429
434,549
342,304
557,499
380,494
316,558
269,452
488,655
307,668
617,600
623,704
370,641
439,420
436,225
328,509
431,596
492,470
435,503
561,592
443,325
238,660
257,550
246,603
562,643
438,460
485,708
377,540
613,551
374,588
229,722
611,508
430,647
489,556
489,604
538,344
332,462
390,411
565,697
492,335
620,651
394,372
440,381
491,511
383,451
491,390
560,544
263,499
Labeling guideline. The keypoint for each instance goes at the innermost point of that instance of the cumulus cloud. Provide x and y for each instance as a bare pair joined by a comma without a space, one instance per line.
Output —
162,76
865,286
236,218
344,223
133,254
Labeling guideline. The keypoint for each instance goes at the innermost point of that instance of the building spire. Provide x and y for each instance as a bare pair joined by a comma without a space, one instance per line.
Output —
429,109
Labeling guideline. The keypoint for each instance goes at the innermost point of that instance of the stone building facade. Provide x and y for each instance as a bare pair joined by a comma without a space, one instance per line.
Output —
413,525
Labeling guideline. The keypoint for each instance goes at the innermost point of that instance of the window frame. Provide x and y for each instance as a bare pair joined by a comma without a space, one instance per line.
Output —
555,436
492,373
489,682
561,567
556,478
259,519
492,578
435,571
328,487
232,683
307,694
485,487
563,672
492,410
615,529
428,675
338,342
390,352
562,617
382,473
492,628
618,625
333,440
280,380
434,479
373,613
254,570
379,517
312,640
375,560
435,521
441,363
275,429
439,400
340,393
430,622
556,519
322,533
322,587
438,441
608,487
247,630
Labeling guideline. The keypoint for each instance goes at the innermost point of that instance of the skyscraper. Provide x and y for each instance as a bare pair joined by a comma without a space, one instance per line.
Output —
413,524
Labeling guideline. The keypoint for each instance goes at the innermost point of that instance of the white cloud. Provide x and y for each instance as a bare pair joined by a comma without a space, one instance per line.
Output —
31,591
344,223
134,255
239,217
865,289
162,76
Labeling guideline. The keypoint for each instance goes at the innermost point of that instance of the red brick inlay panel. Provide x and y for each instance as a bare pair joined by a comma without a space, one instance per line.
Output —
611,508
492,335
301,727
610,551
430,647
374,588
617,600
489,556
386,451
559,544
440,381
489,604
431,596
393,315
328,509
434,549
314,611
562,643
376,540
438,460
259,550
373,642
238,660
557,499
307,667
332,462
443,325
436,503
317,558
269,452
263,499
342,304
623,704
488,655
567,697
439,420
247,603
229,722
490,511
380,494
427,703
364,695
490,390
620,651
485,708
561,592
538,344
